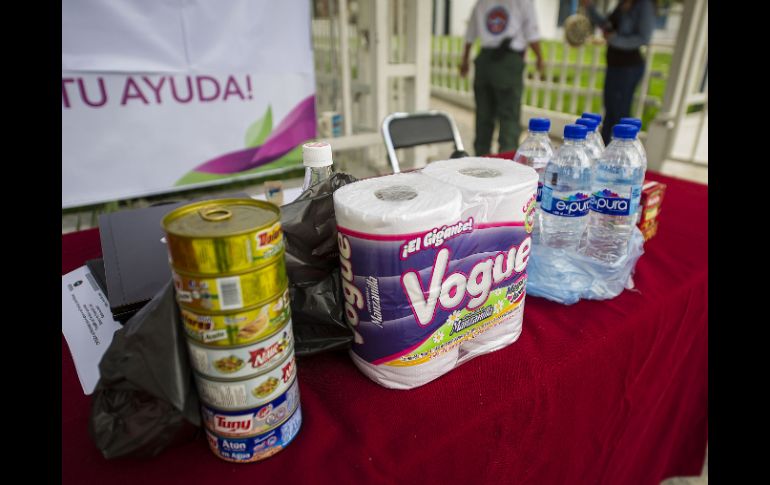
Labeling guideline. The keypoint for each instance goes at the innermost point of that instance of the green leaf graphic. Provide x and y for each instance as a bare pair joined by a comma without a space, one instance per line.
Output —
260,129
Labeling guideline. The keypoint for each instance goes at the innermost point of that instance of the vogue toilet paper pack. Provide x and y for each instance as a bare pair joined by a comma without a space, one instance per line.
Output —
432,262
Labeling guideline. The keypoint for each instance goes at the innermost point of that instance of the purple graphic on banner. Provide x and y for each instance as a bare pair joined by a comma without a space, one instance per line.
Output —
297,127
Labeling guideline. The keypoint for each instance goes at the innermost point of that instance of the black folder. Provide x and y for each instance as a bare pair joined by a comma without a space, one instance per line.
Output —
136,262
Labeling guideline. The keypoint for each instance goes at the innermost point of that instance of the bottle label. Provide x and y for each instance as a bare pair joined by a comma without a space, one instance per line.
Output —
619,202
565,204
539,191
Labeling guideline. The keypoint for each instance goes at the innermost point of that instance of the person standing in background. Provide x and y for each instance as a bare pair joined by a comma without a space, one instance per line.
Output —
506,28
626,30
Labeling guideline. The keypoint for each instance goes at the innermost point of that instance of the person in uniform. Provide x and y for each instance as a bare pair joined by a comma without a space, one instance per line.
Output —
506,28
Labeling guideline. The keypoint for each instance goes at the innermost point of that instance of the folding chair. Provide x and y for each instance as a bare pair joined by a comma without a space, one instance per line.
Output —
406,130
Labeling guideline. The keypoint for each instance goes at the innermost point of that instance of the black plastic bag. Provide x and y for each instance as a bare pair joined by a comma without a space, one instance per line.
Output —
312,263
146,399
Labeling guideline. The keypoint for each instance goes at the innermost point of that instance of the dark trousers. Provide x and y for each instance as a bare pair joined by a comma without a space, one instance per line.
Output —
498,86
619,86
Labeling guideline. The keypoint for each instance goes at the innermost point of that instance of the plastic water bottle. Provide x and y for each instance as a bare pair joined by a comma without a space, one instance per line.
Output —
594,147
317,159
566,192
536,151
594,134
617,187
598,118
637,142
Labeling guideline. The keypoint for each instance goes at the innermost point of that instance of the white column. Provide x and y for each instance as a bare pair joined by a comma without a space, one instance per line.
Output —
347,112
381,41
662,130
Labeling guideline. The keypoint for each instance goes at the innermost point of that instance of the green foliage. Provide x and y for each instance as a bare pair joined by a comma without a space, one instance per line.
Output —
258,132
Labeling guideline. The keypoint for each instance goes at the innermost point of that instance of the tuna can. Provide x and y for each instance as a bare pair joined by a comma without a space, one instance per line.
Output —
256,448
241,327
249,422
223,236
230,291
247,393
241,362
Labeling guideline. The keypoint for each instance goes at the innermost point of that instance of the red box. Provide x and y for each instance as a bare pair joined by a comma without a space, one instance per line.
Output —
651,200
649,229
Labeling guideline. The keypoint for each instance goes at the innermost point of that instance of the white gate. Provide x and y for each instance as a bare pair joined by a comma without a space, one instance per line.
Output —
680,130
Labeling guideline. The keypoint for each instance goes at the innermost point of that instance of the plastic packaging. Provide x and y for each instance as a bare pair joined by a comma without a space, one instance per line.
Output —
312,263
433,265
145,400
567,277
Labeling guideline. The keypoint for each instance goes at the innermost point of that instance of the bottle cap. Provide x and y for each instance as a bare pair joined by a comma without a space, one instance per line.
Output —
539,124
593,116
589,123
575,132
625,132
631,121
316,154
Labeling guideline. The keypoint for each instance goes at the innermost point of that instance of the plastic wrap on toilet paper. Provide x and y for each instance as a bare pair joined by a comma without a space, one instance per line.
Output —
567,277
433,265
490,187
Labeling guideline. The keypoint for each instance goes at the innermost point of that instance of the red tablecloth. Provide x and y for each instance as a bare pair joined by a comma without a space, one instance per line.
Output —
608,392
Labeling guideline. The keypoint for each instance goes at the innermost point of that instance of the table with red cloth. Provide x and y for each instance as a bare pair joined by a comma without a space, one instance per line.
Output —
600,392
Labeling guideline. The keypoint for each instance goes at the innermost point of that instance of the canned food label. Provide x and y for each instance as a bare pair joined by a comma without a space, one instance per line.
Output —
226,396
247,393
240,327
223,236
231,363
269,242
198,357
252,421
229,290
225,293
214,336
258,447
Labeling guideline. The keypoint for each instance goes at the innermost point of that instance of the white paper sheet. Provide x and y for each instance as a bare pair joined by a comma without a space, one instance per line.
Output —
87,324
289,195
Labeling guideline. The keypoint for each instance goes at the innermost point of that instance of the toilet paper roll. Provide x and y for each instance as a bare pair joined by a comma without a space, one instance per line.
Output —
495,338
494,189
394,377
391,231
396,204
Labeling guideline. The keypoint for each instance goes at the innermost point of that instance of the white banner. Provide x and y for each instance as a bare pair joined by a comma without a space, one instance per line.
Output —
159,93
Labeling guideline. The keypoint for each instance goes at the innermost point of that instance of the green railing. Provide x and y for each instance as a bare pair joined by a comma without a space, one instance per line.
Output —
574,77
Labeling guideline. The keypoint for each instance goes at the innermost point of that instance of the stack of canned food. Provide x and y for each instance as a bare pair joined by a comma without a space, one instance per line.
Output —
227,260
